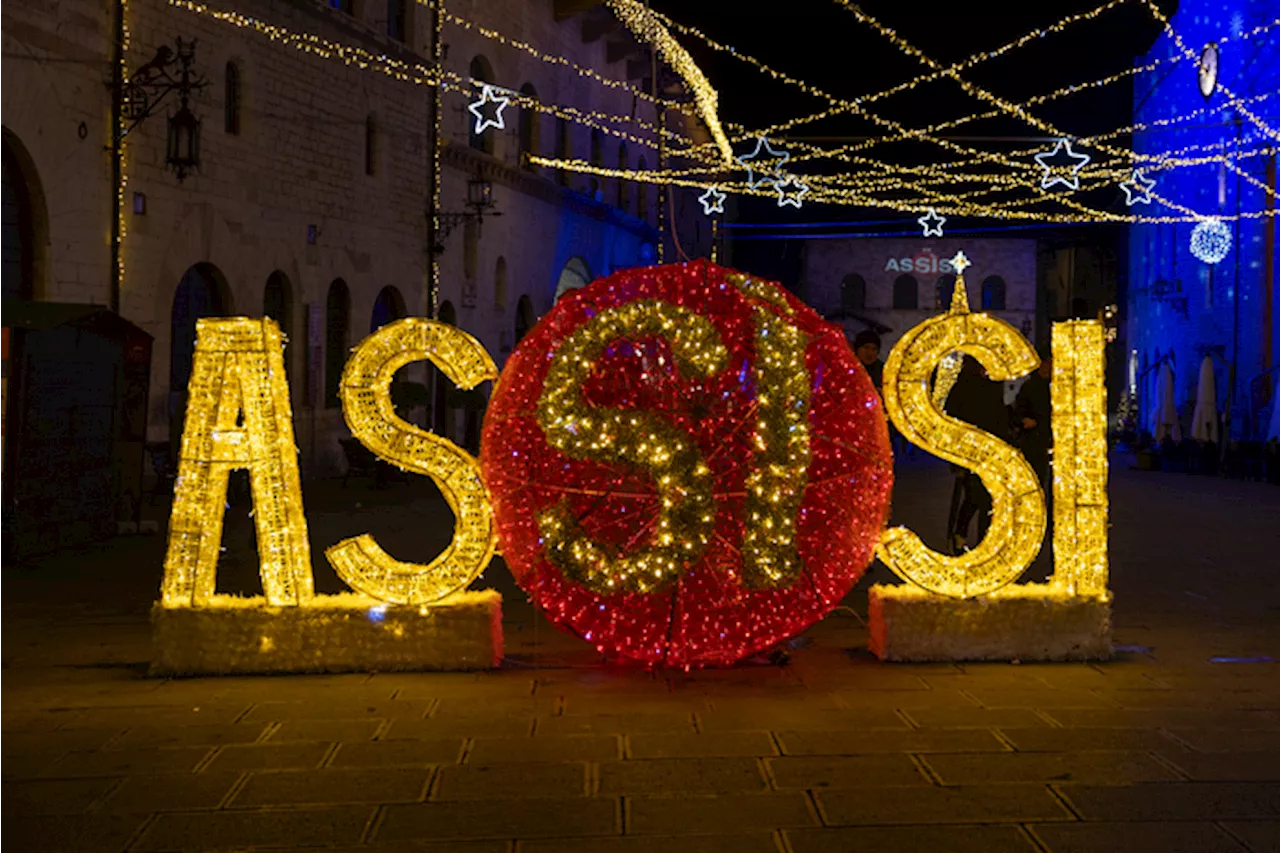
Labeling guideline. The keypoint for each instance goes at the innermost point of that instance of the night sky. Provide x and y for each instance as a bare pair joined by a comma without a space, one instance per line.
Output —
822,42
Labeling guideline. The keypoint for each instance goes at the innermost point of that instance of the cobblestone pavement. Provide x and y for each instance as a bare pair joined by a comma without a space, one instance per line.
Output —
1162,749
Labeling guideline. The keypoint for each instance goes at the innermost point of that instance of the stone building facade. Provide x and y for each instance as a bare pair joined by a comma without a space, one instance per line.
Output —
312,200
892,284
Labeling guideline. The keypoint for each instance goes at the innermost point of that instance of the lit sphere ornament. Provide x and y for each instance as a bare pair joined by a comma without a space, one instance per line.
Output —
1210,240
687,465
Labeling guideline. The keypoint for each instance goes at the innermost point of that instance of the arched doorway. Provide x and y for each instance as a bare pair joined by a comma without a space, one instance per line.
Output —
24,221
277,303
441,412
337,332
387,308
575,274
202,292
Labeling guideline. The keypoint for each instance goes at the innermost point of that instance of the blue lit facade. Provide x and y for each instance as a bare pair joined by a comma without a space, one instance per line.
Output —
1179,308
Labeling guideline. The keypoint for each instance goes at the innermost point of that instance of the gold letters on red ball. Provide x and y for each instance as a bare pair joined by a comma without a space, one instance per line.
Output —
687,465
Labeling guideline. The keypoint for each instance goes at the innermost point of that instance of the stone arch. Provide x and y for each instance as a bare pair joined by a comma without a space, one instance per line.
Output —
277,303
906,293
853,293
201,292
994,294
26,224
388,307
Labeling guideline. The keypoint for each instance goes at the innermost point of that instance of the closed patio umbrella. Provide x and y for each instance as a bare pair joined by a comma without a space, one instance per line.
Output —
1204,421
1166,412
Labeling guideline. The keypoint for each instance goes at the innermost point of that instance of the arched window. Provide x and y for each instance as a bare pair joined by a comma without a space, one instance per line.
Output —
525,317
481,72
575,274
993,293
943,290
387,308
906,292
624,164
529,126
500,285
370,145
853,293
398,19
337,324
23,221
277,303
597,160
562,149
231,100
642,191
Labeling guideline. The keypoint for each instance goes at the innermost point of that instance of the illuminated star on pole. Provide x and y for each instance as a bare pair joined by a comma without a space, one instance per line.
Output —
960,262
488,110
712,201
932,223
1137,190
764,168
1056,160
793,197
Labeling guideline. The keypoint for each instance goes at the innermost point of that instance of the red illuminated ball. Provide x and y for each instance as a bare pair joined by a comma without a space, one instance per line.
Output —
709,614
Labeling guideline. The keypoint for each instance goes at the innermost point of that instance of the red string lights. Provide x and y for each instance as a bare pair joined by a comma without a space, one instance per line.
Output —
687,465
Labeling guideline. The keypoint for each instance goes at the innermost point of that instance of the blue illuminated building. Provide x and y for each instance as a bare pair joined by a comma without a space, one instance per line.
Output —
1180,308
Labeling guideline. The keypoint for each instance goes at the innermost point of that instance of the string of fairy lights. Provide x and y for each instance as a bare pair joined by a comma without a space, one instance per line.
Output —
1043,183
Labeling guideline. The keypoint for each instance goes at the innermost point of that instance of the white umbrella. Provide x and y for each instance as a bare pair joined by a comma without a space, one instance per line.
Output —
1273,431
1204,421
1166,412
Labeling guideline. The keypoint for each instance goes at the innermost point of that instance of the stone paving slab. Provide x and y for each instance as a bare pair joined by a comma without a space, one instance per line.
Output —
911,839
231,830
1180,837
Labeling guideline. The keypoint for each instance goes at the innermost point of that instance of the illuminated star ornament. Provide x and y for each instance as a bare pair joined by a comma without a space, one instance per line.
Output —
960,262
488,110
1060,158
764,167
791,196
712,201
932,223
1137,190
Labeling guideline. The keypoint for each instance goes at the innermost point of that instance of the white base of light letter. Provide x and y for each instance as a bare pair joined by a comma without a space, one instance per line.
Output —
332,633
1027,622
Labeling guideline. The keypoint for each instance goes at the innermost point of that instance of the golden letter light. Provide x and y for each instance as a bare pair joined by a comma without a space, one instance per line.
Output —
1018,512
1079,399
366,405
639,438
238,416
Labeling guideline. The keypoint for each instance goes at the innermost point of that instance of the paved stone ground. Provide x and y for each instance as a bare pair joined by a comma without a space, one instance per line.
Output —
1160,750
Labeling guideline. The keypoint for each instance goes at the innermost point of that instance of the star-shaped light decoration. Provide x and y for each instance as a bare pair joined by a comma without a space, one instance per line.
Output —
1055,161
712,201
764,168
959,295
932,223
488,110
1137,190
792,197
